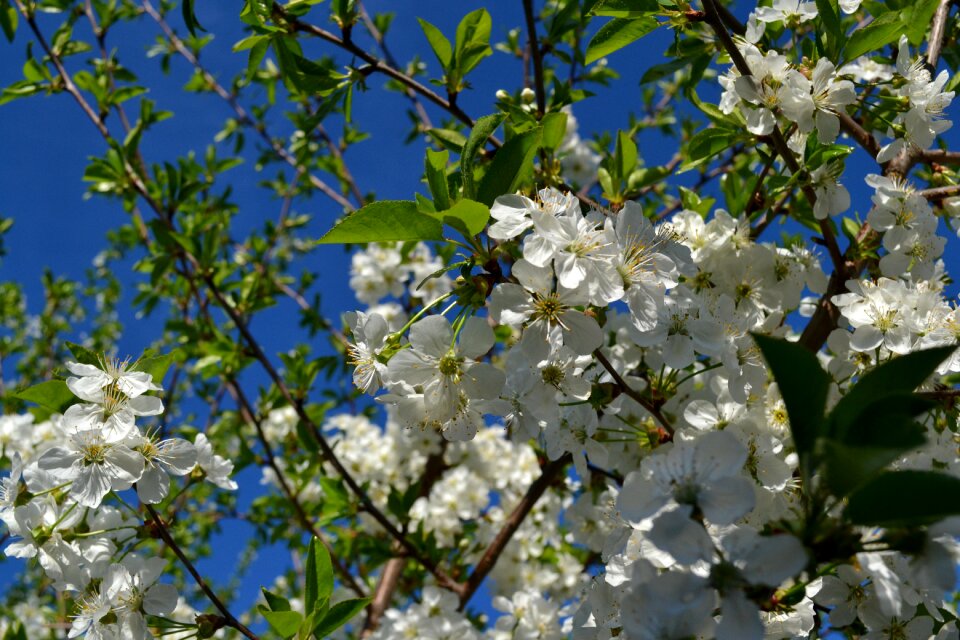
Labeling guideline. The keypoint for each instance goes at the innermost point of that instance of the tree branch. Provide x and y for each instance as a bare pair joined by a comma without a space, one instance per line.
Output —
231,621
632,393
489,559
536,56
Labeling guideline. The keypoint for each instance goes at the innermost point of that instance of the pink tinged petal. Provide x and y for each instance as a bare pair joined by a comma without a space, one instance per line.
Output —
741,618
432,336
687,541
146,405
725,501
154,485
476,337
160,599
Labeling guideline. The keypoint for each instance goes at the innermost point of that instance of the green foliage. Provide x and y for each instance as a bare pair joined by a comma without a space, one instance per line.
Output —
882,31
617,34
384,221
872,425
472,44
509,166
483,128
52,395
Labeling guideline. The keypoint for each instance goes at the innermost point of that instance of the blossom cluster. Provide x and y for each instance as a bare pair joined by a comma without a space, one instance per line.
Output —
62,503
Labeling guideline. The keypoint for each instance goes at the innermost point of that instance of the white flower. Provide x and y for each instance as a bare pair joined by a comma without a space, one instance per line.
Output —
110,413
512,212
162,458
547,314
832,197
93,465
369,332
794,11
216,469
447,371
704,473
93,380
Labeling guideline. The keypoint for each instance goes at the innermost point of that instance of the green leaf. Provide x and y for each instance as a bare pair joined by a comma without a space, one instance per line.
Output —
275,602
435,169
156,366
8,19
881,32
509,166
52,394
899,375
804,386
472,216
554,127
473,41
449,139
706,144
483,128
616,34
339,615
917,20
384,221
830,18
905,498
319,576
284,623
15,631
438,42
83,355
190,18
624,156
625,8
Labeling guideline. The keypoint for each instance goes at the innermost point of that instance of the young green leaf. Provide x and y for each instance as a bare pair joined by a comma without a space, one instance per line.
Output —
509,166
284,623
554,127
319,576
435,169
438,42
384,221
8,19
881,32
156,366
190,18
473,41
905,498
617,34
338,615
472,216
483,128
83,355
52,394
275,602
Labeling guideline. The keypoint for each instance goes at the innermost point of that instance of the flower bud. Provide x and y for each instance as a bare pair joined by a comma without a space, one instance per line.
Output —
527,95
503,95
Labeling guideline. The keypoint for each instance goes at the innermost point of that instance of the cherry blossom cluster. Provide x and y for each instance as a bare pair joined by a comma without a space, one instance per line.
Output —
63,503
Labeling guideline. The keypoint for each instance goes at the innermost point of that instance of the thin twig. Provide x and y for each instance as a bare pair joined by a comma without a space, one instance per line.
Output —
536,57
489,559
632,393
937,32
231,621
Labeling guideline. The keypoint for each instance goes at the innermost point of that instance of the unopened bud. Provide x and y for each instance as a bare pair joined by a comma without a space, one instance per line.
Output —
527,95
209,624
503,95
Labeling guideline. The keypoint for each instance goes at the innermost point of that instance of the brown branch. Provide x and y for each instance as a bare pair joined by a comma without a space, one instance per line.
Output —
393,569
375,65
536,57
229,618
248,415
632,393
938,193
489,559
937,32
940,156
